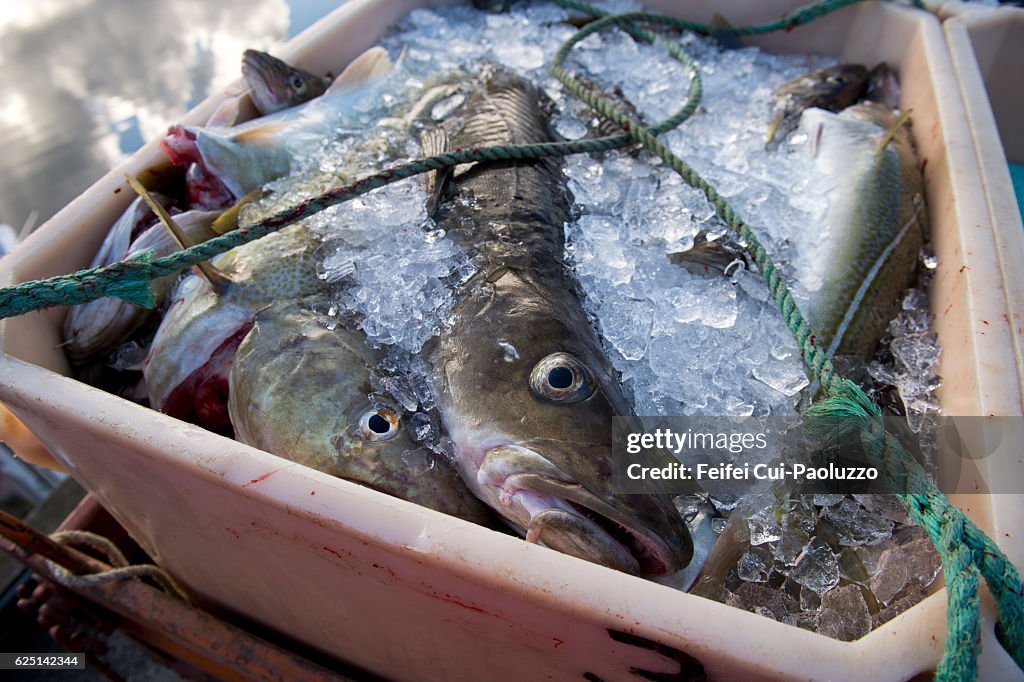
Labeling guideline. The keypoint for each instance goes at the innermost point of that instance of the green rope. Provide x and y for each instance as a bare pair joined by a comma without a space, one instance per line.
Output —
967,553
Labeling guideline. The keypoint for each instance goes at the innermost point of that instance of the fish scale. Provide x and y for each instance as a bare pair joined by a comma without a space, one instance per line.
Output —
521,224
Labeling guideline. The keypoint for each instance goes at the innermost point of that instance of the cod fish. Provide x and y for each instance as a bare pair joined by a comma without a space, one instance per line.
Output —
878,224
299,389
95,328
523,388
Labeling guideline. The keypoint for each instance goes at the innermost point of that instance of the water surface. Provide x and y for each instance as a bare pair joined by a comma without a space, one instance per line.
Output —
85,82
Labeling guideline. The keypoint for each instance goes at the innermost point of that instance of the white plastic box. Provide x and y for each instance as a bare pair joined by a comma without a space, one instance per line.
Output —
411,594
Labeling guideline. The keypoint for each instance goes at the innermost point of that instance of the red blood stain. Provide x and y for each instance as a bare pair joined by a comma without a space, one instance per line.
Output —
985,322
331,551
261,478
558,642
312,492
449,598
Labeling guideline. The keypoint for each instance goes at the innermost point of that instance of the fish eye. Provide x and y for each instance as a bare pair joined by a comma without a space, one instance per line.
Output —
561,378
378,424
298,84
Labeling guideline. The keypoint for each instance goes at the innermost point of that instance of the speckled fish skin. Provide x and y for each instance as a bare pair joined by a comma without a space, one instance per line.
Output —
878,221
543,465
275,85
278,266
300,390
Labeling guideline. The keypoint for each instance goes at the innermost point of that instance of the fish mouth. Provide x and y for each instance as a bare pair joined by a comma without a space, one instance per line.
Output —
258,70
563,515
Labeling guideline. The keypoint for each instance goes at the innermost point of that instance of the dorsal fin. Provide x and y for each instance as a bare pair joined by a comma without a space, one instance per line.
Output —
722,31
370,64
434,141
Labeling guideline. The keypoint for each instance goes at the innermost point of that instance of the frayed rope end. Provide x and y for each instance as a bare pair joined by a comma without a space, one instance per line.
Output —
133,285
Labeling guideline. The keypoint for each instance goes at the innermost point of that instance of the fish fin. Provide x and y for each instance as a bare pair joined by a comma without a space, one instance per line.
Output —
429,99
901,120
367,66
228,220
815,140
722,31
217,279
266,134
773,129
232,111
434,141
578,22
710,257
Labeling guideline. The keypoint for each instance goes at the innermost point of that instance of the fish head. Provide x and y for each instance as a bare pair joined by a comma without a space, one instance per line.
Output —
528,402
275,85
832,89
300,388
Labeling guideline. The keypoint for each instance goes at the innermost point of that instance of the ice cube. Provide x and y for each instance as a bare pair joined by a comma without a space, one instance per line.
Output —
754,566
786,377
764,527
844,614
817,567
856,526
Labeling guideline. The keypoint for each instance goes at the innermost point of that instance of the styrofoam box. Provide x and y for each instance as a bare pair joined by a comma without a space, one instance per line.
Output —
412,594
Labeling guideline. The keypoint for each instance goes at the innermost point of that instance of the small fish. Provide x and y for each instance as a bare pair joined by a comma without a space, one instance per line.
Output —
300,387
532,429
878,224
832,88
275,85
709,257
228,163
